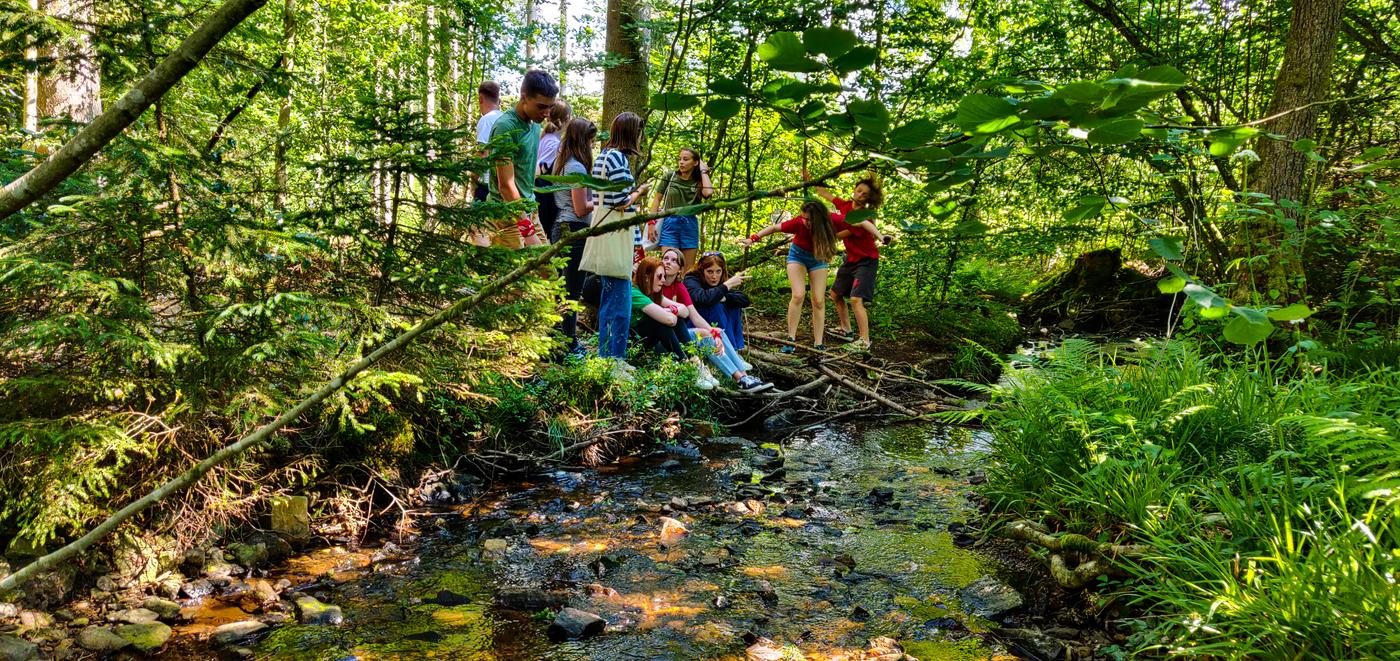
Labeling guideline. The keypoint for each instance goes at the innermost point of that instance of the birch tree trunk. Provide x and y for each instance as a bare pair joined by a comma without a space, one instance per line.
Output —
74,89
284,112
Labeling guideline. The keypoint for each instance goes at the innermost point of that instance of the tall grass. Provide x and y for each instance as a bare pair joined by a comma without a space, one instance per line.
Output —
1271,496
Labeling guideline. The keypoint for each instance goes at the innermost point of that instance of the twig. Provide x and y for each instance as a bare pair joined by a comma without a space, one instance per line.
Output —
850,383
847,359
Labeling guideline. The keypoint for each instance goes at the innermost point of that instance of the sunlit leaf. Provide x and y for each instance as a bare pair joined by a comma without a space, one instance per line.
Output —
674,101
831,42
859,58
1171,284
1117,132
1168,247
1294,312
722,108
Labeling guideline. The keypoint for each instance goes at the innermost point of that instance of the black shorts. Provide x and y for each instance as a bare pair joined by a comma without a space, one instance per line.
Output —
856,279
482,192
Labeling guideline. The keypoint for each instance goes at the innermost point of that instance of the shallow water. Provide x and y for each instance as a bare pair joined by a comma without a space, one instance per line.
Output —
825,567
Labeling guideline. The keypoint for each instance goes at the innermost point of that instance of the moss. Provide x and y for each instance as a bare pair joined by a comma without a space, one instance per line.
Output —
942,650
937,564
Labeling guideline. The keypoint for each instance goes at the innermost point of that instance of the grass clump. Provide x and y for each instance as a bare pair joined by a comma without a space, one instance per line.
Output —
1266,492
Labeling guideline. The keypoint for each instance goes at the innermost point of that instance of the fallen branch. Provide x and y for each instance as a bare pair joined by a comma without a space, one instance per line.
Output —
1090,559
852,385
847,359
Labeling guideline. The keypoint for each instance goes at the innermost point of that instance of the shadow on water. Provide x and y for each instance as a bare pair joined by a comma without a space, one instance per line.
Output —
841,537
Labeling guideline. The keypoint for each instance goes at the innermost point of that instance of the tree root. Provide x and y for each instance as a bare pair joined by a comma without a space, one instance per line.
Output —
1075,560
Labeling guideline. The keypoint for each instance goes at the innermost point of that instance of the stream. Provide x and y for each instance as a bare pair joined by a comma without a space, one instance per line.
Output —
809,550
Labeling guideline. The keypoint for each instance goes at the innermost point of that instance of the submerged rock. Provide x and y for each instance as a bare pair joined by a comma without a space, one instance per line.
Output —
573,624
448,598
529,599
990,598
135,616
311,610
672,531
145,637
163,608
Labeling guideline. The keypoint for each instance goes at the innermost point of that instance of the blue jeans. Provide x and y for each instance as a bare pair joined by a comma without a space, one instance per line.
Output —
727,362
614,317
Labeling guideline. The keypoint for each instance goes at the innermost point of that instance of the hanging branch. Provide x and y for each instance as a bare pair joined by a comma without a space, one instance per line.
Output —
264,433
48,175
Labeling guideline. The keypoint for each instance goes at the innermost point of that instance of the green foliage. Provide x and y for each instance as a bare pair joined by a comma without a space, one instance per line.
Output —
1268,497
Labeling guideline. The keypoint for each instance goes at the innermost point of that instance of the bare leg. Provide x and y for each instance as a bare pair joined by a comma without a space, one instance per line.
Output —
818,278
843,316
690,254
862,319
797,276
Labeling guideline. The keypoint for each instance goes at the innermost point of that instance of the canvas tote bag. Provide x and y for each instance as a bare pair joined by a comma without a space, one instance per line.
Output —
609,254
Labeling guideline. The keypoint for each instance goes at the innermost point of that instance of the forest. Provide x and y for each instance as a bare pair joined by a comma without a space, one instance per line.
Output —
1131,358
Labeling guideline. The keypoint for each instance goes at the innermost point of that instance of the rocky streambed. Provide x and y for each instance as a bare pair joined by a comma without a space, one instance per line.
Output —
842,543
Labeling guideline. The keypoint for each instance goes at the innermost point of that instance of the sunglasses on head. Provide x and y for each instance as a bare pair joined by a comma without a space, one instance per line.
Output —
712,253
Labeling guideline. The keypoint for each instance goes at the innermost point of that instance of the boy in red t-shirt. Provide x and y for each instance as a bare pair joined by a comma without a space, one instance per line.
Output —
855,279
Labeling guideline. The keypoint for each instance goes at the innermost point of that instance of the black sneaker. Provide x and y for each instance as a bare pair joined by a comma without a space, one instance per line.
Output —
751,384
844,336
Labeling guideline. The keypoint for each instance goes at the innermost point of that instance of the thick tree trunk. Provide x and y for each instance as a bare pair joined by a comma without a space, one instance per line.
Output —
624,85
31,85
44,177
1303,79
530,22
74,88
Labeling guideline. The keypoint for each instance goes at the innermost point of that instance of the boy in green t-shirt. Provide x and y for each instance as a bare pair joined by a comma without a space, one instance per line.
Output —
514,178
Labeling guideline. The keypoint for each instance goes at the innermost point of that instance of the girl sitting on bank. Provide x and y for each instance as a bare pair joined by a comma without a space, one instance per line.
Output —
719,351
813,246
657,321
717,298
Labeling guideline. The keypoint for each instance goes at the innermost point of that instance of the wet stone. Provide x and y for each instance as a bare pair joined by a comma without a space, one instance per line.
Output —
135,616
1033,644
881,496
101,640
313,611
990,598
145,637
669,464
679,503
8,611
425,637
237,632
17,649
573,624
163,608
598,591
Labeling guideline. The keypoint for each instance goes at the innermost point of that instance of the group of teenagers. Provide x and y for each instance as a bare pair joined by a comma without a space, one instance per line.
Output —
678,297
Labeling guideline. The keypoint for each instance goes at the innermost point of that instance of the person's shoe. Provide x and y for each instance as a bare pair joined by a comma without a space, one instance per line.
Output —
626,366
787,348
857,347
820,347
751,384
843,335
704,383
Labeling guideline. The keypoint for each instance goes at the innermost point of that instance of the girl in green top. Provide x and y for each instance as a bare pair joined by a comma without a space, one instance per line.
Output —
688,185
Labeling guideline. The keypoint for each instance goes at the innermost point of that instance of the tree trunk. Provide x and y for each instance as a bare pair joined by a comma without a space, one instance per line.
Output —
624,85
1303,79
530,33
106,127
74,88
31,85
284,113
563,44
430,108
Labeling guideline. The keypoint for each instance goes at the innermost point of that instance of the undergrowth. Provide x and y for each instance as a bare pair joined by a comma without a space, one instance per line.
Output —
1266,489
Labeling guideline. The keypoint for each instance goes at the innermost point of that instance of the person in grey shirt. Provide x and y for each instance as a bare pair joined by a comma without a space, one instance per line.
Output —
575,212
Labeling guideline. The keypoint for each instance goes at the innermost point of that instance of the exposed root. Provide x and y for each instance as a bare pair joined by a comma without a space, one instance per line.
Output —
1075,560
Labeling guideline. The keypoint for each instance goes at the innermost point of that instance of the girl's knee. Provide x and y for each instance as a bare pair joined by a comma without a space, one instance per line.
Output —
798,297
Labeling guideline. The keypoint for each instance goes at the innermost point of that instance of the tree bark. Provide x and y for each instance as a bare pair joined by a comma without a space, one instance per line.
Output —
31,84
1303,79
563,45
284,112
47,175
74,89
624,85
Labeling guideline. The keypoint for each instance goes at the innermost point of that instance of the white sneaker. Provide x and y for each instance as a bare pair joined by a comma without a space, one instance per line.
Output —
703,383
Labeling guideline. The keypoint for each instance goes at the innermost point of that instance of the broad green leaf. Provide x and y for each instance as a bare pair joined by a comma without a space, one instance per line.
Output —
796,91
1171,284
831,42
859,215
1117,132
722,108
674,101
1088,207
971,228
1294,312
1169,247
1156,80
1369,154
1082,91
1304,145
1378,165
983,110
728,87
782,46
915,133
859,58
1225,141
1249,326
870,115
1206,298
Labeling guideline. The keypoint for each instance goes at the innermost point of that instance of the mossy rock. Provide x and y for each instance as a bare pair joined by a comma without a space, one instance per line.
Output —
144,637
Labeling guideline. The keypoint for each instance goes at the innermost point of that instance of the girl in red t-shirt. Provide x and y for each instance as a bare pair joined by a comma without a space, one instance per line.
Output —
855,279
813,245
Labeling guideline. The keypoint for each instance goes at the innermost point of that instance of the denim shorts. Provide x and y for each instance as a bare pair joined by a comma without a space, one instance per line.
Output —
680,232
799,255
